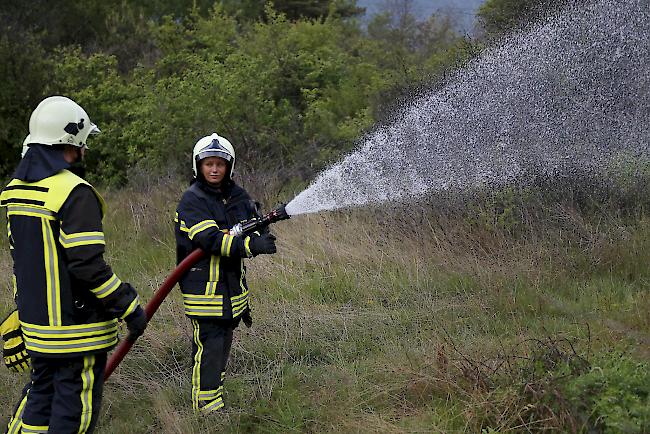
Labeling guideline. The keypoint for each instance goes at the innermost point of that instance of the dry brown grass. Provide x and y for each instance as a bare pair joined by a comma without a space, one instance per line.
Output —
365,320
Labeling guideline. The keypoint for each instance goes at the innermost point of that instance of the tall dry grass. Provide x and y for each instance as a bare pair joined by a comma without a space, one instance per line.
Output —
378,321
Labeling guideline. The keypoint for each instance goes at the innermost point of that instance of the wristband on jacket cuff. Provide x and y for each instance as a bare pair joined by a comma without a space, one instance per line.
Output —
132,307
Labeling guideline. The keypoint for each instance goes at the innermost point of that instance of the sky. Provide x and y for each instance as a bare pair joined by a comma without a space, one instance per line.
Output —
462,10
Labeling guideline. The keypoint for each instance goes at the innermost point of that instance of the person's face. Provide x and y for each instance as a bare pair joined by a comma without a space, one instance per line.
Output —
214,170
73,154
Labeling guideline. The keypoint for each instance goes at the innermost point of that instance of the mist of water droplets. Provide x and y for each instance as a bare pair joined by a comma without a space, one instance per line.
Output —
572,94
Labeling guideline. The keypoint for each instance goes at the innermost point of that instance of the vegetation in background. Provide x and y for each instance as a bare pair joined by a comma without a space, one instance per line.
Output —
518,310
293,83
447,318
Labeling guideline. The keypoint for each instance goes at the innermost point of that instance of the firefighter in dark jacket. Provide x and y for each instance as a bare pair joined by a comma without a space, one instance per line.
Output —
215,293
68,299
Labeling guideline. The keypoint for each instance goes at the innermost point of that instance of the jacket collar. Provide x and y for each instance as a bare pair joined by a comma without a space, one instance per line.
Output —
40,162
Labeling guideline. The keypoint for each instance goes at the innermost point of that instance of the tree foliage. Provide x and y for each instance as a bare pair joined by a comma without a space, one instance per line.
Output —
498,17
292,84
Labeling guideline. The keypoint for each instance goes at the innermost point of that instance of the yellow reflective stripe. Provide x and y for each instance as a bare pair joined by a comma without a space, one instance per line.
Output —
34,429
30,211
213,406
194,298
201,226
210,287
211,284
24,194
88,382
196,370
238,310
69,331
51,275
132,307
207,395
108,287
16,422
204,310
242,276
239,303
182,224
226,243
71,346
81,239
247,246
239,298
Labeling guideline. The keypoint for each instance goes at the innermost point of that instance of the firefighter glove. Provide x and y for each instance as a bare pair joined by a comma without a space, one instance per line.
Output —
136,322
13,351
247,318
262,244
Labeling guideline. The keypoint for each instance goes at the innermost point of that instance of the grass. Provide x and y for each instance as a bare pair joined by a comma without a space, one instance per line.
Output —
367,323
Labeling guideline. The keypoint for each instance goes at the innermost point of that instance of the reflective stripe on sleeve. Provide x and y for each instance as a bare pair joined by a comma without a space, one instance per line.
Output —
201,226
226,243
181,223
108,287
132,307
81,239
239,304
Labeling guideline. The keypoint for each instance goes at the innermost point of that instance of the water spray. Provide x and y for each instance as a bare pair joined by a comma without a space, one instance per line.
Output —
244,228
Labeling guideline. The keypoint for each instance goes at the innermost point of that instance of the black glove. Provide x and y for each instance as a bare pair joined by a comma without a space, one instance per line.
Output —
262,244
247,318
136,322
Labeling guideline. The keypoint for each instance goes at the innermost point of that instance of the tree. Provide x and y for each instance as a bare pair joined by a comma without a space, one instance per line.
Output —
253,10
497,17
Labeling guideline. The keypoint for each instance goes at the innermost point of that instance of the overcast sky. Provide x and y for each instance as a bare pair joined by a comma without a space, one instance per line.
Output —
462,10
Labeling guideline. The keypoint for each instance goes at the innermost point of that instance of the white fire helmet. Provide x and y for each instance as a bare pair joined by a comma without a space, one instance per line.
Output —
26,143
59,120
213,146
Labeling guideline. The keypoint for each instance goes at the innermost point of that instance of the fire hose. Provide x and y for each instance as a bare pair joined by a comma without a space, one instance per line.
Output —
168,284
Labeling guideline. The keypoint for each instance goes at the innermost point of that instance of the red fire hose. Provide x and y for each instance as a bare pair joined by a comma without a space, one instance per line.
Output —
153,305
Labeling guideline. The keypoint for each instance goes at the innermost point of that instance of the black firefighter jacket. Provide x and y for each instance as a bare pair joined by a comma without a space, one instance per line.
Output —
216,286
68,298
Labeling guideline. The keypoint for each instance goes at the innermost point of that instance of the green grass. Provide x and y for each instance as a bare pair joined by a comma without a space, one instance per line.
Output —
358,328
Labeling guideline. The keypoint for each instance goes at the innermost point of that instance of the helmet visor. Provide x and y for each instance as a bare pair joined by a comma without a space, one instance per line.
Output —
214,149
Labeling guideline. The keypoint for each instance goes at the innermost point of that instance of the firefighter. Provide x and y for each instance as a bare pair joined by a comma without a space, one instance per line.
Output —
215,293
68,300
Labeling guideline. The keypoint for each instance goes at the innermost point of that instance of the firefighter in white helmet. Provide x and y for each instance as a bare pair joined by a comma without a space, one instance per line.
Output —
215,292
68,299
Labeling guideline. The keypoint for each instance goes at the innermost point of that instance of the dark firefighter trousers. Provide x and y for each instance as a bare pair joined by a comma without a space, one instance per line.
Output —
211,342
64,396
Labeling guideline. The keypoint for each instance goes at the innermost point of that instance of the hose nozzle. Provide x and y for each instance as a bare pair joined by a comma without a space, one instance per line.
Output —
280,213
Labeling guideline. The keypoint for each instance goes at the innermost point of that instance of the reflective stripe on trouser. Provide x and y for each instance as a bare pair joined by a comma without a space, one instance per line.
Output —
212,339
65,395
16,421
